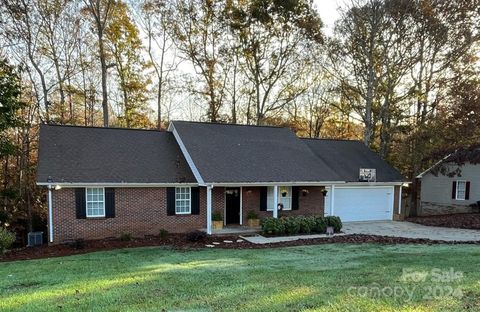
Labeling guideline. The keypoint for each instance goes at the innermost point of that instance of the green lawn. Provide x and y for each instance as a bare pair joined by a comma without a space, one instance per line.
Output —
310,278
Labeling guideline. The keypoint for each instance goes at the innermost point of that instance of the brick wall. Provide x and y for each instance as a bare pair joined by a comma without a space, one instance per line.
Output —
311,204
143,211
138,211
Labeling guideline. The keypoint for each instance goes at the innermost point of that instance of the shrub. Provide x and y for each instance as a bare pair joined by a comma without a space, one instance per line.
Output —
7,238
217,216
163,234
307,224
320,225
273,226
292,225
335,222
251,215
126,237
196,236
300,225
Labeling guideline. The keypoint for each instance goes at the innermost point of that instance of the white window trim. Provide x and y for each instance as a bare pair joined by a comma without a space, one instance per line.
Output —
464,191
189,201
86,203
279,195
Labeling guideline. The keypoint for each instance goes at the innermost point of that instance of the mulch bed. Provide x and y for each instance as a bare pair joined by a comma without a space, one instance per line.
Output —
460,221
179,242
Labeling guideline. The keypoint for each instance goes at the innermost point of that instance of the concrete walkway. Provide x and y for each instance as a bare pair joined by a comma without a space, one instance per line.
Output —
410,230
383,228
258,239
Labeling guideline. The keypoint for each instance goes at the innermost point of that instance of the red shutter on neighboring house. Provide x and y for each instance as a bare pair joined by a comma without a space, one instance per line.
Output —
467,190
454,190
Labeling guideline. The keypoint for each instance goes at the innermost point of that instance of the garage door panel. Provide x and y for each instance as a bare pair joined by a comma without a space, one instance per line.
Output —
364,204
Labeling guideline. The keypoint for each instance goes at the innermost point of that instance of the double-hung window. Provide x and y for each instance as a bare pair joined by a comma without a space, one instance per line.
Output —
461,190
95,202
284,197
183,203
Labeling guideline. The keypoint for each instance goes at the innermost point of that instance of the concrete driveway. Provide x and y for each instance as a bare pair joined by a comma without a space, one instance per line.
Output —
410,230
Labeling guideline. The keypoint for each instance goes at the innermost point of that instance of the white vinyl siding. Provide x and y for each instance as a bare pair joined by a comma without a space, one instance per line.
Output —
183,200
285,200
95,202
461,190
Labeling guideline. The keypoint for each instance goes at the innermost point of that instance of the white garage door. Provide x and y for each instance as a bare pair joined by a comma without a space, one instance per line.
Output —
361,203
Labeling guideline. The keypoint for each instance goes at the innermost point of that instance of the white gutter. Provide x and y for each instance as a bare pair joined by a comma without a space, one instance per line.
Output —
238,184
187,156
108,184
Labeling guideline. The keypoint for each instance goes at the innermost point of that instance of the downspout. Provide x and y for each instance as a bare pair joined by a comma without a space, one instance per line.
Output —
50,214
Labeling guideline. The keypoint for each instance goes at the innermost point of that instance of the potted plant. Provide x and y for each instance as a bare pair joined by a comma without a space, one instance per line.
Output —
253,220
217,220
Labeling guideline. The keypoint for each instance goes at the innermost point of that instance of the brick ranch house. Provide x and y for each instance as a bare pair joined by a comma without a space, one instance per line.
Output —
103,182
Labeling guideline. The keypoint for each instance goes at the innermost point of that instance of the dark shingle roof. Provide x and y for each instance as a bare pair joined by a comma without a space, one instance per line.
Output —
94,155
226,153
347,157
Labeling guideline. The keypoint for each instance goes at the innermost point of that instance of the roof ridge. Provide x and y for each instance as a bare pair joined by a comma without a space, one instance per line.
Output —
98,127
231,124
329,139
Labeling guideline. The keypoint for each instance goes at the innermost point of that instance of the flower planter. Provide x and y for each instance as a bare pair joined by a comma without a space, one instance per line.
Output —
217,225
253,223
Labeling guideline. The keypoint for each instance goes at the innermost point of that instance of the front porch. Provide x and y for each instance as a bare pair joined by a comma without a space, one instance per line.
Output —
234,230
232,206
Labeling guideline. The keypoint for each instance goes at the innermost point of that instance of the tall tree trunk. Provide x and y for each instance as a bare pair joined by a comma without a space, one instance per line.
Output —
103,63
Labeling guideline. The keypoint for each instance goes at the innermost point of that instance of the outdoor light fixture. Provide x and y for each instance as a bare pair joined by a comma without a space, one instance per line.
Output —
57,187
324,192
305,192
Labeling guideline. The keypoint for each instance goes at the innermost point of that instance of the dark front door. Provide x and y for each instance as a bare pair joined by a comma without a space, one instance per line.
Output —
232,204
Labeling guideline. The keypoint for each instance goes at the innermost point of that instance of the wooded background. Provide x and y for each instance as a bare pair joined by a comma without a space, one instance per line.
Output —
400,75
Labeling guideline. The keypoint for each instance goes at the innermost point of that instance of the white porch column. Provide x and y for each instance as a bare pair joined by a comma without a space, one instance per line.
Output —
399,200
209,209
332,200
275,201
50,214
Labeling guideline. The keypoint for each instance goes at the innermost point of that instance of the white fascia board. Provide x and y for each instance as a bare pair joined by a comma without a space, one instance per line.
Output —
371,184
436,164
187,156
109,184
237,184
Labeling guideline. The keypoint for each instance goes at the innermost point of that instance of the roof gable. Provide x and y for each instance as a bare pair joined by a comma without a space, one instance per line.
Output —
225,153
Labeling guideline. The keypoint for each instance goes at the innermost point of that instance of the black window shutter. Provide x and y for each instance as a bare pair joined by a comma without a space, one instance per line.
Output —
454,190
195,194
295,191
109,203
263,198
467,190
170,201
80,205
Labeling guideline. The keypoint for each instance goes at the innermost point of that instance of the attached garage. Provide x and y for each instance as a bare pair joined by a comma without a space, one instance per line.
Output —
360,203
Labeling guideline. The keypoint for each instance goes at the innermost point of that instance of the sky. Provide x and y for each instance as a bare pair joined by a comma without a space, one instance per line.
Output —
328,13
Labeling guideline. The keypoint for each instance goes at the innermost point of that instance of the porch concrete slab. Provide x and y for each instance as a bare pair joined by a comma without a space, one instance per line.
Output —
410,230
259,239
234,230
